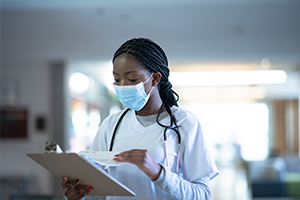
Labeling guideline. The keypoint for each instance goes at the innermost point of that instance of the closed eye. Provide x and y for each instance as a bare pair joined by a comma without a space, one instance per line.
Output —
117,80
132,80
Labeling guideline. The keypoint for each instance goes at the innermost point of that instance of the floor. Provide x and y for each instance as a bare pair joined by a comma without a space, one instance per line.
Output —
231,184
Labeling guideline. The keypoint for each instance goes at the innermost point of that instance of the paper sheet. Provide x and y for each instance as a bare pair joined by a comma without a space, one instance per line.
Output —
104,158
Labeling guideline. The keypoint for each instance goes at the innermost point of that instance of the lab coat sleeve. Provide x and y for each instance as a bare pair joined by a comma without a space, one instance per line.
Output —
196,160
197,165
178,188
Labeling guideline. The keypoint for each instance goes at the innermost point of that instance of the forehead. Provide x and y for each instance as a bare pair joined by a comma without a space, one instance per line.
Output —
127,62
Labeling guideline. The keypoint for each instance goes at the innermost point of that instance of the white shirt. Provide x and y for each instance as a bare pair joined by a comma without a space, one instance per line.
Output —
195,161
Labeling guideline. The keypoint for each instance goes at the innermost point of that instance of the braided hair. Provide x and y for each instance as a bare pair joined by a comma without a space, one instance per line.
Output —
153,57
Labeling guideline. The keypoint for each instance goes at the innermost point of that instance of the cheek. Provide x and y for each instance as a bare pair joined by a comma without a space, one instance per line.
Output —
149,88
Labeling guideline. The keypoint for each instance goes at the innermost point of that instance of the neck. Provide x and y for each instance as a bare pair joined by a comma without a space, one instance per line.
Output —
152,107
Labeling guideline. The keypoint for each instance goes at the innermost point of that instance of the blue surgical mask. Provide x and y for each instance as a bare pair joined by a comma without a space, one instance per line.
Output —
133,96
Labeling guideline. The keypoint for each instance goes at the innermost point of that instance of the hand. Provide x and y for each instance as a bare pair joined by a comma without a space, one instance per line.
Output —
143,160
73,194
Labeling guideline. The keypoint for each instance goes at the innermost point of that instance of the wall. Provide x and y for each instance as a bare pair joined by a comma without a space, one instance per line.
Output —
286,127
34,82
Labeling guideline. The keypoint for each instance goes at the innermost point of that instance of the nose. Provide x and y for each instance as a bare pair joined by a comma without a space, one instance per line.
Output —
122,82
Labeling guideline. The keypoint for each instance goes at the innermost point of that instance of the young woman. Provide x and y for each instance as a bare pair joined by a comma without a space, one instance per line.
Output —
163,144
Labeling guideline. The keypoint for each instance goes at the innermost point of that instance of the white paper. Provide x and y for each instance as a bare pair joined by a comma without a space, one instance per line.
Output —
104,158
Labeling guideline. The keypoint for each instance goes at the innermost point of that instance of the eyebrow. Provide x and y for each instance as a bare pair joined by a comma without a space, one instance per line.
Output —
125,73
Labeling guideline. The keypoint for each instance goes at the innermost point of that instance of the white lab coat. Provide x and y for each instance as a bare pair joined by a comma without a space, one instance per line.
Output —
195,160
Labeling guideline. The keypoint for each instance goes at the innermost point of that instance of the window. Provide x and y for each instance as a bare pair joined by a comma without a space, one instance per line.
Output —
234,130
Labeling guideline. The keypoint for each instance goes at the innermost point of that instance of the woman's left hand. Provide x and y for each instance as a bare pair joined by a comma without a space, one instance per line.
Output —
143,160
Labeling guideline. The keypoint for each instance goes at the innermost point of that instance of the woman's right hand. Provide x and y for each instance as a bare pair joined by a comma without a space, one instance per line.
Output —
74,194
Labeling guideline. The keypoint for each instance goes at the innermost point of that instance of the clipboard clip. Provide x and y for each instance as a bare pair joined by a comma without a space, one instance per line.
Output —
52,147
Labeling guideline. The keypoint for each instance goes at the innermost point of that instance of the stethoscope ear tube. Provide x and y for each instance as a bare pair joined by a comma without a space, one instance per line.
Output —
178,145
178,153
174,129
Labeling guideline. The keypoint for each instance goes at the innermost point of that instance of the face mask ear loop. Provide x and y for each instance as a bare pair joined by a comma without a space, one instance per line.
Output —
148,78
150,90
152,86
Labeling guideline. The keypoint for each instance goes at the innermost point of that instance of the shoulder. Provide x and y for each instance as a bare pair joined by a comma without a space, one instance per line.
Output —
189,125
184,115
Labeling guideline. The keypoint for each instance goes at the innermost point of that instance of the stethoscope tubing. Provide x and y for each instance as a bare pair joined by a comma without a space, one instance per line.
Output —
175,129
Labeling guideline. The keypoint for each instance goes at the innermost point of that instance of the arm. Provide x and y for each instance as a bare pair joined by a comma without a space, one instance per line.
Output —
174,185
178,188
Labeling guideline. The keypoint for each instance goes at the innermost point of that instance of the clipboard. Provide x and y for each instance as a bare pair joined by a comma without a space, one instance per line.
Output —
76,167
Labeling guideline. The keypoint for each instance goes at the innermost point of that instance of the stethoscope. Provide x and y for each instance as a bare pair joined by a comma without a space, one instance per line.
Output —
174,128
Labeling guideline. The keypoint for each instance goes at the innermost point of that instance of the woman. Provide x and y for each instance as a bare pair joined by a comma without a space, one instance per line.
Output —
156,170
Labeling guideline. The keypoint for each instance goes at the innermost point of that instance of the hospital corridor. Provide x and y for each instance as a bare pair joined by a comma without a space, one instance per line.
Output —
228,70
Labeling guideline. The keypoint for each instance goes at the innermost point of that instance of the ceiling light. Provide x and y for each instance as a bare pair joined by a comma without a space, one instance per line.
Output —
79,82
227,77
220,93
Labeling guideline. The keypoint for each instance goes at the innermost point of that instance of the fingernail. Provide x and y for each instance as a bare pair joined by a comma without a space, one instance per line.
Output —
115,158
90,188
65,178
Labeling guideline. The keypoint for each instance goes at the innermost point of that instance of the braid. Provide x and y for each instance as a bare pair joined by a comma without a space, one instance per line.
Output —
154,58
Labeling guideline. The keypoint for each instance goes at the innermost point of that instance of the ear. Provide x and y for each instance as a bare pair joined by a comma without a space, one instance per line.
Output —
156,78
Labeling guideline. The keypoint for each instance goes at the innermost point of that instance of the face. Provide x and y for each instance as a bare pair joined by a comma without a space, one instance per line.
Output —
127,70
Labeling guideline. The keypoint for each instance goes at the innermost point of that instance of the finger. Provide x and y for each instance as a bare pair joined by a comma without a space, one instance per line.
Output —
72,185
79,194
118,157
85,190
118,154
73,193
136,154
133,156
64,182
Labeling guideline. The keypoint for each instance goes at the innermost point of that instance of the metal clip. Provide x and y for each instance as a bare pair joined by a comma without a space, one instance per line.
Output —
51,147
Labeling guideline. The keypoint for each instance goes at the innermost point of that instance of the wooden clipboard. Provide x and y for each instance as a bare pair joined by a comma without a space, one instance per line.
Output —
76,167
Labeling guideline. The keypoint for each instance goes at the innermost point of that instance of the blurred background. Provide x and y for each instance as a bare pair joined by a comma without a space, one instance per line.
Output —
234,63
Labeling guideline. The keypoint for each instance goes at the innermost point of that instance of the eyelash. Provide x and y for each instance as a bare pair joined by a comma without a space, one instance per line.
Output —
131,80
